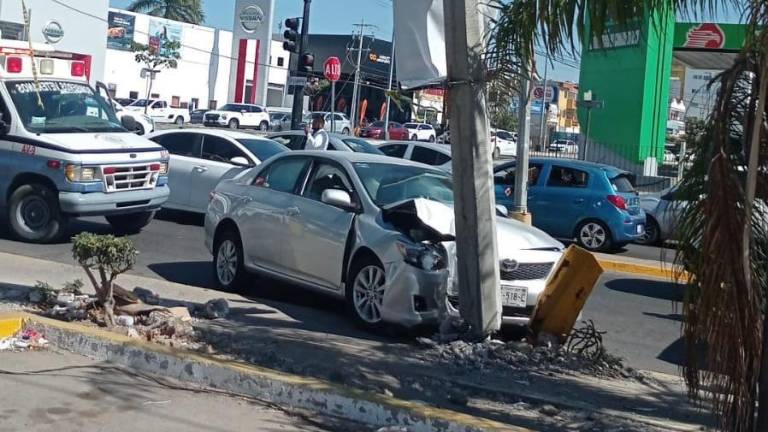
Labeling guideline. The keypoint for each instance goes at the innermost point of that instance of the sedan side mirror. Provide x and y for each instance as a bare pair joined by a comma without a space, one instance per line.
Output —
128,122
337,198
239,161
502,211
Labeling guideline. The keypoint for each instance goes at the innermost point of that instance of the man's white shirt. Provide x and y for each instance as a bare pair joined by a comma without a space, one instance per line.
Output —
318,140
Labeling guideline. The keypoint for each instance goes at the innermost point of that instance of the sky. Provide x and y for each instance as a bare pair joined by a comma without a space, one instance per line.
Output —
339,16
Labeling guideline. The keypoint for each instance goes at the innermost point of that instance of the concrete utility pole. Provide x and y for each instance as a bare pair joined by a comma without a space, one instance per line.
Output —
389,85
356,88
477,257
523,142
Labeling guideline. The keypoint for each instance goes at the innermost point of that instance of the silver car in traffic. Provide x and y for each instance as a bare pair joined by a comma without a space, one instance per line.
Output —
350,225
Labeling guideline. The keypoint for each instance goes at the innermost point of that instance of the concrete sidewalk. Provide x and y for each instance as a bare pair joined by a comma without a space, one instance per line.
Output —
78,394
291,337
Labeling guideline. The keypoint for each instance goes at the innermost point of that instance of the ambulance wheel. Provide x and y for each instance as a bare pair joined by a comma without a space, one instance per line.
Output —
34,214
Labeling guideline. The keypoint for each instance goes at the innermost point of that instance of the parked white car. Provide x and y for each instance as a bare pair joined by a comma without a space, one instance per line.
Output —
504,143
160,111
144,123
564,146
436,155
201,158
341,123
421,132
236,116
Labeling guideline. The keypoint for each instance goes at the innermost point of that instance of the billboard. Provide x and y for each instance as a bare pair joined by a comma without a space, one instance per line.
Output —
161,31
120,28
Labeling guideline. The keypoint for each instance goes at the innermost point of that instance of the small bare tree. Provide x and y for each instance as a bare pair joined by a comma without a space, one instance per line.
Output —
155,58
109,256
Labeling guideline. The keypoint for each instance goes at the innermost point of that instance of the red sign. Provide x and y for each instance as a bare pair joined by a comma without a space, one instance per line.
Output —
705,36
332,68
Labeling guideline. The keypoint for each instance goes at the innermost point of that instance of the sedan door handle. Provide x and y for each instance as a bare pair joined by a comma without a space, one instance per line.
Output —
201,168
292,211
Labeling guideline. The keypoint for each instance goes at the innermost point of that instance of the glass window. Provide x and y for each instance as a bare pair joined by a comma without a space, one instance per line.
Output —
361,146
567,177
425,127
394,150
218,149
428,156
389,183
338,117
263,149
293,142
622,183
326,176
280,61
410,125
506,176
255,109
181,144
282,175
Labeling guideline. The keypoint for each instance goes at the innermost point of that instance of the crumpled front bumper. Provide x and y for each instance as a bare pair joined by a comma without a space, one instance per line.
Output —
409,298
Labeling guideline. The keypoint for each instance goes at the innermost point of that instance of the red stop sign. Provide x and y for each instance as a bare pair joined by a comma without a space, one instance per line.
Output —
332,68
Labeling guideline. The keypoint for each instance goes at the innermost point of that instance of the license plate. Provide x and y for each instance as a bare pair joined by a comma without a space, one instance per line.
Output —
640,229
514,296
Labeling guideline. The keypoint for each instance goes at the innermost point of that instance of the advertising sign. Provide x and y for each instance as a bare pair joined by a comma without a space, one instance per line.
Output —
162,31
709,36
120,28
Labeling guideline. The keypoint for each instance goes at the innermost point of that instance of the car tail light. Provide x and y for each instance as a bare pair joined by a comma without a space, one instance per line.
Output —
110,170
13,64
619,202
78,69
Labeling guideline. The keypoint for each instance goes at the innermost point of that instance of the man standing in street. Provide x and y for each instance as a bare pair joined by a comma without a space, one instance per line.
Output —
317,137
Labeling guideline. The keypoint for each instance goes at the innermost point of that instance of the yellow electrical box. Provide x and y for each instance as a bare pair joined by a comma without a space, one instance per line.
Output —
566,293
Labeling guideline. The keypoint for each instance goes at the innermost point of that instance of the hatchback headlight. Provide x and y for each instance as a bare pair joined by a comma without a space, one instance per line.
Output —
77,173
424,256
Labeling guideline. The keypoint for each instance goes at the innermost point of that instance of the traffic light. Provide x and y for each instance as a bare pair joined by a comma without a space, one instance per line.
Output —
307,63
291,35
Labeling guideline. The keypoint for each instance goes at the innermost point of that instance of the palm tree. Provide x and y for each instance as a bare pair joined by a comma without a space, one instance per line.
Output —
189,11
723,233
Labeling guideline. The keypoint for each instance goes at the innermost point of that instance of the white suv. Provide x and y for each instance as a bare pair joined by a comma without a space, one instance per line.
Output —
236,116
421,132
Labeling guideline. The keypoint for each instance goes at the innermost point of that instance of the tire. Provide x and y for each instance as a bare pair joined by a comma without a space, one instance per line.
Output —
228,269
414,138
594,236
652,235
345,131
432,138
139,129
34,214
496,153
264,126
130,223
179,121
234,124
358,294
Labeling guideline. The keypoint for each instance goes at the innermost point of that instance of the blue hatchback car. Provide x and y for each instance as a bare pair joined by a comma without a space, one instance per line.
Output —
595,204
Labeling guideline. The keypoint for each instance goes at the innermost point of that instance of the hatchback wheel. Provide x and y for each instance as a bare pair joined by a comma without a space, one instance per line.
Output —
594,236
431,138
234,124
264,126
365,295
228,266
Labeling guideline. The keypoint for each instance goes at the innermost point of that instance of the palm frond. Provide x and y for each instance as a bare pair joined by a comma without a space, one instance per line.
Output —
189,11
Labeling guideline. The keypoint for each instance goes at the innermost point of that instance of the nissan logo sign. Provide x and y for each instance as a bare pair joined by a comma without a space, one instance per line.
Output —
53,32
251,18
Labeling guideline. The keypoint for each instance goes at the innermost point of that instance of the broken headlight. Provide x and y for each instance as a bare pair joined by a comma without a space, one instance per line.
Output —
425,256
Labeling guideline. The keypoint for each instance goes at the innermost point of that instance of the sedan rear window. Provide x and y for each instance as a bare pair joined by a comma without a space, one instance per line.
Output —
622,184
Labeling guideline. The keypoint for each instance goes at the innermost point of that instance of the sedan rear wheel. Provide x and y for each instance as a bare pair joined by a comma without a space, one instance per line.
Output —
366,294
651,235
594,236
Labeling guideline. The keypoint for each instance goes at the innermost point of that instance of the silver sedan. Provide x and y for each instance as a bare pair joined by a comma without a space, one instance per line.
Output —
353,225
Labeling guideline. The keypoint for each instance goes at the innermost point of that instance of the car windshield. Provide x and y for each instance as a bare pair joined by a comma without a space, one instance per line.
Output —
142,102
62,107
263,149
390,183
362,146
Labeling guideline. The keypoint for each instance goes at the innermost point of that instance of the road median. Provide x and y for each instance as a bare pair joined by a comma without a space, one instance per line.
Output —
640,267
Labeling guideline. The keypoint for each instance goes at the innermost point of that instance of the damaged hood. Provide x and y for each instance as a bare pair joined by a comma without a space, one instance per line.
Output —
427,220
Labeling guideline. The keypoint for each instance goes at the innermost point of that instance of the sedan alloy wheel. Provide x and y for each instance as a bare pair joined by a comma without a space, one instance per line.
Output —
368,293
226,262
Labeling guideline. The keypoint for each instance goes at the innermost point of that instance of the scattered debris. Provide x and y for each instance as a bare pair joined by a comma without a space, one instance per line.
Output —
216,308
28,339
549,410
124,320
393,429
147,296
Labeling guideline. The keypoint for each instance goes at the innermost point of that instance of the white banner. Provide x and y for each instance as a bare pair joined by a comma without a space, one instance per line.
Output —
420,33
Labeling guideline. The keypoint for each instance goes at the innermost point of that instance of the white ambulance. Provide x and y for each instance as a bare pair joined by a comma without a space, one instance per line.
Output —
64,153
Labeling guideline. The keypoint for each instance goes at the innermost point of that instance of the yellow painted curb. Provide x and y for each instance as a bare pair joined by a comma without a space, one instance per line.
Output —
664,272
10,325
258,372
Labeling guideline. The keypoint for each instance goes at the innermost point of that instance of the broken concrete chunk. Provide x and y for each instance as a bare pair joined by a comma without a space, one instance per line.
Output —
147,296
181,313
216,308
549,410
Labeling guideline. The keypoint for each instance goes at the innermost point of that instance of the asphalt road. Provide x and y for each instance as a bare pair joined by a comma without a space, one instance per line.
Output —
637,313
